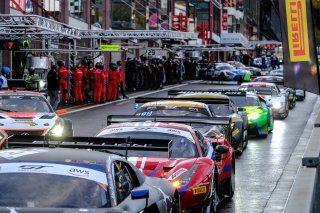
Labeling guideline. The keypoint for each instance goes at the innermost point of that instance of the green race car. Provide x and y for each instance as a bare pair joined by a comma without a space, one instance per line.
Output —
260,118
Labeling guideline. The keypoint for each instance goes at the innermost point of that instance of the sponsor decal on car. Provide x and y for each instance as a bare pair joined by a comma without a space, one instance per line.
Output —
16,153
199,190
177,174
235,132
94,173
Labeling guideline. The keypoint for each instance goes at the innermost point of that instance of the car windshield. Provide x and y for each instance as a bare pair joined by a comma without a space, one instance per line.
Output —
23,103
172,111
221,109
243,101
225,67
45,185
182,145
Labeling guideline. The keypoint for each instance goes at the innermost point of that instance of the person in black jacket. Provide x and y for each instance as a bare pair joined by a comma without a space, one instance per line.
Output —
53,86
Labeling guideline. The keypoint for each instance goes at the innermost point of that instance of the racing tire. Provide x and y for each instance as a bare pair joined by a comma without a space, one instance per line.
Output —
239,80
68,128
176,206
239,152
232,180
212,206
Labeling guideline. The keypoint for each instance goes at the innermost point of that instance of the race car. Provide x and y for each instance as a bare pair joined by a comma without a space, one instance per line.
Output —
225,71
29,113
62,176
202,169
276,99
220,106
260,117
269,79
254,70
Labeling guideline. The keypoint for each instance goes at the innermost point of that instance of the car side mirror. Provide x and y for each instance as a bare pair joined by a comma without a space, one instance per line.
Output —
139,194
268,105
222,149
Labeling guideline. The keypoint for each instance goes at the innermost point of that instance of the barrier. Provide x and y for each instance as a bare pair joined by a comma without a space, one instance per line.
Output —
305,193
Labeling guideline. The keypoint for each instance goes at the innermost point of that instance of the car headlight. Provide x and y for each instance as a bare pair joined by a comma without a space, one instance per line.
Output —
184,178
253,116
57,130
277,105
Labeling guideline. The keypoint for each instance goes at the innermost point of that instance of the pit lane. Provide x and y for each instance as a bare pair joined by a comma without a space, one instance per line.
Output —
258,170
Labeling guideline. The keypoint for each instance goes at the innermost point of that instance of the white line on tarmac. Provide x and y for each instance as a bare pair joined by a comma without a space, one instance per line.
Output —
135,96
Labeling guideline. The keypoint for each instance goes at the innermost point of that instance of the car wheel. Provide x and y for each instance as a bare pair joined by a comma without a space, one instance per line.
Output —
176,206
232,180
240,149
212,206
68,128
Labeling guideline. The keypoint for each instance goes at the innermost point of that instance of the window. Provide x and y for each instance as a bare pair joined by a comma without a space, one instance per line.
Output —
76,8
123,180
203,144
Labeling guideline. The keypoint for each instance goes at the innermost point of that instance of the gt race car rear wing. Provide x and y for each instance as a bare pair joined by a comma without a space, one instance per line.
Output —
223,121
202,100
95,143
228,92
111,119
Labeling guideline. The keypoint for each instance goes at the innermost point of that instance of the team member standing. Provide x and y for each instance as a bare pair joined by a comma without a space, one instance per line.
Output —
63,73
32,80
5,72
53,86
121,83
105,82
84,68
77,87
90,75
113,82
98,82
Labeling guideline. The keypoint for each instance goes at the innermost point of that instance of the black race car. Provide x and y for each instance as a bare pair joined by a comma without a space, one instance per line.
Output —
55,177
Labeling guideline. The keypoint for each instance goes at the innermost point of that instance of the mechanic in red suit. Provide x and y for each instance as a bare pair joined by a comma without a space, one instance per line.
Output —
105,75
113,82
63,73
77,86
98,83
90,75
84,68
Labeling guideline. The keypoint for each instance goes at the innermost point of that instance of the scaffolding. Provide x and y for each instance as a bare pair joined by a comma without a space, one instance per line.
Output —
137,34
33,26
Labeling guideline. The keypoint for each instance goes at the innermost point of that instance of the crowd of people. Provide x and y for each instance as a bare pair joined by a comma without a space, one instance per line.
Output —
89,82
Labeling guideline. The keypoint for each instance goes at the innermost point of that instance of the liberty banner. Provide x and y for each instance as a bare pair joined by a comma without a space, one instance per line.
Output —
300,69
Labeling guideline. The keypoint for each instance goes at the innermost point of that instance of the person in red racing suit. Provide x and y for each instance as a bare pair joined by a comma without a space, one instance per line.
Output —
63,73
113,82
98,83
90,75
105,75
77,87
84,68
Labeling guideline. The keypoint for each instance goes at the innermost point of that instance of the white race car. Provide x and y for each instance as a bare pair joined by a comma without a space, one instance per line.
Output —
29,113
276,99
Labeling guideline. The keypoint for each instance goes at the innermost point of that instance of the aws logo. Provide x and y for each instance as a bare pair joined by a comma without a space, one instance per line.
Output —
79,172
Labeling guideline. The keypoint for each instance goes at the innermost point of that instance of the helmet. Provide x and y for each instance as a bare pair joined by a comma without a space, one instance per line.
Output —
32,69
113,66
54,67
84,61
99,65
60,63
90,62
5,70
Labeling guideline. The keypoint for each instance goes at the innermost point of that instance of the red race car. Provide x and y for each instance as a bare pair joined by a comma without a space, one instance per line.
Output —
202,169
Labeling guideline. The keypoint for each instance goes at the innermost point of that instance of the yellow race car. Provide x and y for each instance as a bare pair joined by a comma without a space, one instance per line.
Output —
221,106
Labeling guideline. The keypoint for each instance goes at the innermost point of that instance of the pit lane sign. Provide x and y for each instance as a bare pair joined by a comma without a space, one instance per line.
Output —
110,47
297,30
